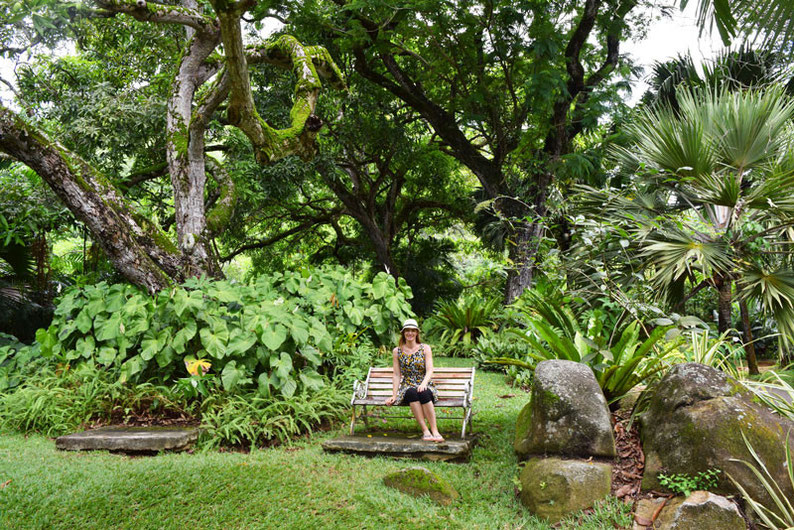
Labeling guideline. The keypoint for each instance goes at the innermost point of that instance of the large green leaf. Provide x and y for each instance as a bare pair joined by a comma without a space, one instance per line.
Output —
184,334
83,321
85,346
110,328
214,343
273,336
289,387
240,341
233,376
311,379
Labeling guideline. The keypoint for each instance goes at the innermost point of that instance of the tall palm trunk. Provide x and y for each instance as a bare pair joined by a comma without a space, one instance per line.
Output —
749,347
723,283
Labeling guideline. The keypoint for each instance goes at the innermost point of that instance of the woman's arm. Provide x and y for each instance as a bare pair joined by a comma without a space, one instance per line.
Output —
428,368
395,378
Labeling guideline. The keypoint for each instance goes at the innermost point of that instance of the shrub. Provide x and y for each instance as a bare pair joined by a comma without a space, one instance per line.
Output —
57,402
685,484
249,419
460,324
619,356
271,335
17,361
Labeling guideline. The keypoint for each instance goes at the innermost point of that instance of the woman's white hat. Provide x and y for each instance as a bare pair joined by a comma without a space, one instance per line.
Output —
410,324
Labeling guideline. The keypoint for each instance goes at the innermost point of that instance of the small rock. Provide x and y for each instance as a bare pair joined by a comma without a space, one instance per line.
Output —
552,488
418,481
702,511
567,414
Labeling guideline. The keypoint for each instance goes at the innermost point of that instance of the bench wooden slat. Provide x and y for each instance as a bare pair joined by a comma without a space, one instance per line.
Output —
385,392
437,369
446,386
442,402
435,376
460,381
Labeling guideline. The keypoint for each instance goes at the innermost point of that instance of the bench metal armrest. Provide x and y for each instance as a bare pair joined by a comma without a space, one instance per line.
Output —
359,391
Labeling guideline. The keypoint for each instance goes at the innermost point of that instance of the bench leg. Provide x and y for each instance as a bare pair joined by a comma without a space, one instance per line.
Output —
353,422
466,420
366,419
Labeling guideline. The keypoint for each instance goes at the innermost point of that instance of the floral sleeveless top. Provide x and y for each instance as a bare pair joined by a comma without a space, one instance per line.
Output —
412,370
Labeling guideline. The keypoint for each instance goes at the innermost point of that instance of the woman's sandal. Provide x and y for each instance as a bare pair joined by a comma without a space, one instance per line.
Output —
437,439
429,438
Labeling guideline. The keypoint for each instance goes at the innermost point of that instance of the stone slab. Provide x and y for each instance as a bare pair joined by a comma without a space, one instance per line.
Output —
130,439
451,450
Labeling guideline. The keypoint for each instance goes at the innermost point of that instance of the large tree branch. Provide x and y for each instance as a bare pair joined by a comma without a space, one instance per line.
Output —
221,213
443,123
325,219
614,33
269,143
147,11
137,248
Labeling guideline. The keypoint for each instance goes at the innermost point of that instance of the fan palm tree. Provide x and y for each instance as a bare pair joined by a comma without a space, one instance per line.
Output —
774,19
723,166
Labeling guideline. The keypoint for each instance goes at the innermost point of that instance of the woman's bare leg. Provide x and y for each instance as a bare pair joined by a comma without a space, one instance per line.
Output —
416,408
430,413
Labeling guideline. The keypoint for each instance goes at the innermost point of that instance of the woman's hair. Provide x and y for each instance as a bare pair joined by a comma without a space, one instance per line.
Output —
402,337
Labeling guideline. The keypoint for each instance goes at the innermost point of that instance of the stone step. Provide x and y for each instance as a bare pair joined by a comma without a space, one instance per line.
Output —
451,450
130,439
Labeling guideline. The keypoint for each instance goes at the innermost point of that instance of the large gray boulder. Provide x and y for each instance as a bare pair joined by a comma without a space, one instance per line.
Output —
552,488
694,422
567,414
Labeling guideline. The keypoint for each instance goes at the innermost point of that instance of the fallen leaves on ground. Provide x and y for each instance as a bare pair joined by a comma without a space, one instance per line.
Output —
627,472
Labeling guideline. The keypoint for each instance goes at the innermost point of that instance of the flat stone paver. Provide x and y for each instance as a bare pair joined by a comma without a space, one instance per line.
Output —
454,450
130,439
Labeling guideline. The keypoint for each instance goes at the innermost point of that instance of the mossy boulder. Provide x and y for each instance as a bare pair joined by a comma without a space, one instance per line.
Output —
418,481
567,414
552,488
694,421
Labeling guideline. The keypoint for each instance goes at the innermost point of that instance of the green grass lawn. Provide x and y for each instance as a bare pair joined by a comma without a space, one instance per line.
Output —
296,486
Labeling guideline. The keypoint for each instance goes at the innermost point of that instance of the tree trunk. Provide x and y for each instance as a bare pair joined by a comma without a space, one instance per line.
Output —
522,254
749,346
141,252
724,303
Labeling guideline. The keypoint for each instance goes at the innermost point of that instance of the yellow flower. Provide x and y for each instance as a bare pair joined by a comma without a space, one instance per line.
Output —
196,365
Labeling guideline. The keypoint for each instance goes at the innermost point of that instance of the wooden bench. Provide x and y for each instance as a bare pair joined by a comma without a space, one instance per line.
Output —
455,389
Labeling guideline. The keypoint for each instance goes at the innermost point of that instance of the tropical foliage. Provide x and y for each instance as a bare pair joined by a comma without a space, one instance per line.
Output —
459,324
621,356
710,206
271,335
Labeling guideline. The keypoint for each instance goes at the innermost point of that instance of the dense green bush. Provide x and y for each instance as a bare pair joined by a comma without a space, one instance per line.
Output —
57,402
459,324
17,361
621,355
272,335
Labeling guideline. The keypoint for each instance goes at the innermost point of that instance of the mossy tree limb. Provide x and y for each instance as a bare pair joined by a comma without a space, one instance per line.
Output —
269,143
142,253
147,11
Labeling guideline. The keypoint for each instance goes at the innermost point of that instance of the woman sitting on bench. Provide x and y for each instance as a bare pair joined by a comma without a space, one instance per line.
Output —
413,368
